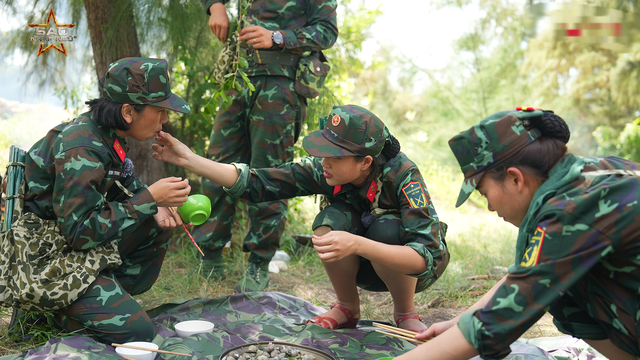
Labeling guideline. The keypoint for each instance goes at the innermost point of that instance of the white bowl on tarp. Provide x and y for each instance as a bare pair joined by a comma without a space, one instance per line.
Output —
138,354
192,327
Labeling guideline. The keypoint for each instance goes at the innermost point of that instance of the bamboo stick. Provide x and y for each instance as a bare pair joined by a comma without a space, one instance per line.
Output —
395,329
188,233
402,337
146,349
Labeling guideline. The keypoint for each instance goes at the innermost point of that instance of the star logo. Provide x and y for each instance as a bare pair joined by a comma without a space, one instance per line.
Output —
51,34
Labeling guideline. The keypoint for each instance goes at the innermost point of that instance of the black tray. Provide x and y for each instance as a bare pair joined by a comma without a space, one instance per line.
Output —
320,355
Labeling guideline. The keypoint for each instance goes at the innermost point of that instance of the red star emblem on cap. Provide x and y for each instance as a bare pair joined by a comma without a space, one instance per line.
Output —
61,48
335,120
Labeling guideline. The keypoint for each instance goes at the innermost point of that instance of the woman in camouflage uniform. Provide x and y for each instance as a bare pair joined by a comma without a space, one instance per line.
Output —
577,249
377,229
91,234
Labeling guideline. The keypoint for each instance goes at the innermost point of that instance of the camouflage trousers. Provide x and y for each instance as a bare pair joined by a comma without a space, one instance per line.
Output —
260,130
107,310
385,228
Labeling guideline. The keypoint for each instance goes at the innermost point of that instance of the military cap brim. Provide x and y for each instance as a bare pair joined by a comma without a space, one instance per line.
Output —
317,145
174,102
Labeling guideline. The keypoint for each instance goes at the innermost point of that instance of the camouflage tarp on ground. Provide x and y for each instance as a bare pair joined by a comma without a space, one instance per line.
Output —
252,317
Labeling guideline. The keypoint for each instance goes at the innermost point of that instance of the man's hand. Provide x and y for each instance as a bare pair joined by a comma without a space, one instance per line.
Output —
257,36
219,21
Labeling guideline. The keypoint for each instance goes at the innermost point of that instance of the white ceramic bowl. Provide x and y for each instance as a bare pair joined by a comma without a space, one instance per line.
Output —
192,327
138,354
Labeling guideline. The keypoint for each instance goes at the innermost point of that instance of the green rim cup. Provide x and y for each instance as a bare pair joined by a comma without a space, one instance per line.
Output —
195,210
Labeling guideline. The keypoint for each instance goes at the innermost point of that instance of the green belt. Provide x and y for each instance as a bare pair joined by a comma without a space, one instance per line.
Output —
269,57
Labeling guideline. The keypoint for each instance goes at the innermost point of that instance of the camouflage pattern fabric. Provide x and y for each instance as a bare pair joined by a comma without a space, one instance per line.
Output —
137,80
351,130
308,25
252,317
476,154
47,274
259,129
576,254
87,213
311,73
401,190
385,228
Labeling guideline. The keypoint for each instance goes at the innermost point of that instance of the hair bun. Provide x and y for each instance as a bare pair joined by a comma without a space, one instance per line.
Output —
391,148
553,126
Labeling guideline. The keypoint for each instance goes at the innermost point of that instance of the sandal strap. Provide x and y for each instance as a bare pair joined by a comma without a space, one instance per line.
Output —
324,321
346,312
407,317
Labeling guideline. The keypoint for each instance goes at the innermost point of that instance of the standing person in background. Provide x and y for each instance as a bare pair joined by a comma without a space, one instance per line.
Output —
91,234
577,249
261,128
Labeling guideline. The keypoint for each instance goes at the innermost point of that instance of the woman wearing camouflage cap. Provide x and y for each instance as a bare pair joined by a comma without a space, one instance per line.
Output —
577,249
377,229
101,234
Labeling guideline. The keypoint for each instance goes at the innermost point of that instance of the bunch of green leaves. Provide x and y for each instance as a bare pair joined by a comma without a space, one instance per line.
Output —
625,143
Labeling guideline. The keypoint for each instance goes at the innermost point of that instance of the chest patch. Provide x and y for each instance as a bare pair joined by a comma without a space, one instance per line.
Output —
415,195
532,252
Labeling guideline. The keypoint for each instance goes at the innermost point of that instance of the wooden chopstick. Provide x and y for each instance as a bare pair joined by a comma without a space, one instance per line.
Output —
395,329
141,348
188,233
402,337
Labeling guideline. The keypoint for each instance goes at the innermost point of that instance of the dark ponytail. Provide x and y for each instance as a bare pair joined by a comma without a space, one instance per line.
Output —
542,155
389,151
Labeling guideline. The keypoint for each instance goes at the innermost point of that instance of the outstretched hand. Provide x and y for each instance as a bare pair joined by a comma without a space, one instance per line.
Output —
170,149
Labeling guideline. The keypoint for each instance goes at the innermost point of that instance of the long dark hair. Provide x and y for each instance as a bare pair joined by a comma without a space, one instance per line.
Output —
539,157
108,113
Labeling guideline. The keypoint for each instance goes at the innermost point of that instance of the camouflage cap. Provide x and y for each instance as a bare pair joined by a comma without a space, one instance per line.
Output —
492,140
137,80
351,131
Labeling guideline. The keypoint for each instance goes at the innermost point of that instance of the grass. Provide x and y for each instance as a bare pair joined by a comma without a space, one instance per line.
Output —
479,242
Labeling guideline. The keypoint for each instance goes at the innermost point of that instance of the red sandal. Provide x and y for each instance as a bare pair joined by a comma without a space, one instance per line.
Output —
332,324
411,316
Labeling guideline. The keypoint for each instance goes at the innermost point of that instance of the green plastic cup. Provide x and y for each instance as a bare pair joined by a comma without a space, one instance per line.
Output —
386,358
195,210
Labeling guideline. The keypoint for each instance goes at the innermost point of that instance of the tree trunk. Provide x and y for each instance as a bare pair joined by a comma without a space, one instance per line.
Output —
113,36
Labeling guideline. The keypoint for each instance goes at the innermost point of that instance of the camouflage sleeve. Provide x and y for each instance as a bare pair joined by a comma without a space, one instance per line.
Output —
320,32
283,182
85,217
556,258
421,229
207,4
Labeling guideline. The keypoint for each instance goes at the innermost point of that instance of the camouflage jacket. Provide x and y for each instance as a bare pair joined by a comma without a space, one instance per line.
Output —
307,25
401,190
76,175
583,248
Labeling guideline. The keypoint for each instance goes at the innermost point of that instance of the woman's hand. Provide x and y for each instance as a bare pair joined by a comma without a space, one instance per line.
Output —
336,245
257,36
171,149
436,329
171,191
167,219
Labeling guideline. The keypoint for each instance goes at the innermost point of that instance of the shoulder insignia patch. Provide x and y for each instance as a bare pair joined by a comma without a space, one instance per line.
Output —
415,195
119,150
532,252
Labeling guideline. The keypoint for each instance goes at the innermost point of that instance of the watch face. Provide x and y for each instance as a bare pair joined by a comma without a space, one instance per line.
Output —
277,37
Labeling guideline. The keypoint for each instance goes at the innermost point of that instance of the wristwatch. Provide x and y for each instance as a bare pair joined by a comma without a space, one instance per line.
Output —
277,37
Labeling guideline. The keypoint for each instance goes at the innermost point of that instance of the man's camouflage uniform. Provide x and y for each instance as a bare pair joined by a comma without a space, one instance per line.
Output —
261,128
394,208
577,251
88,233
